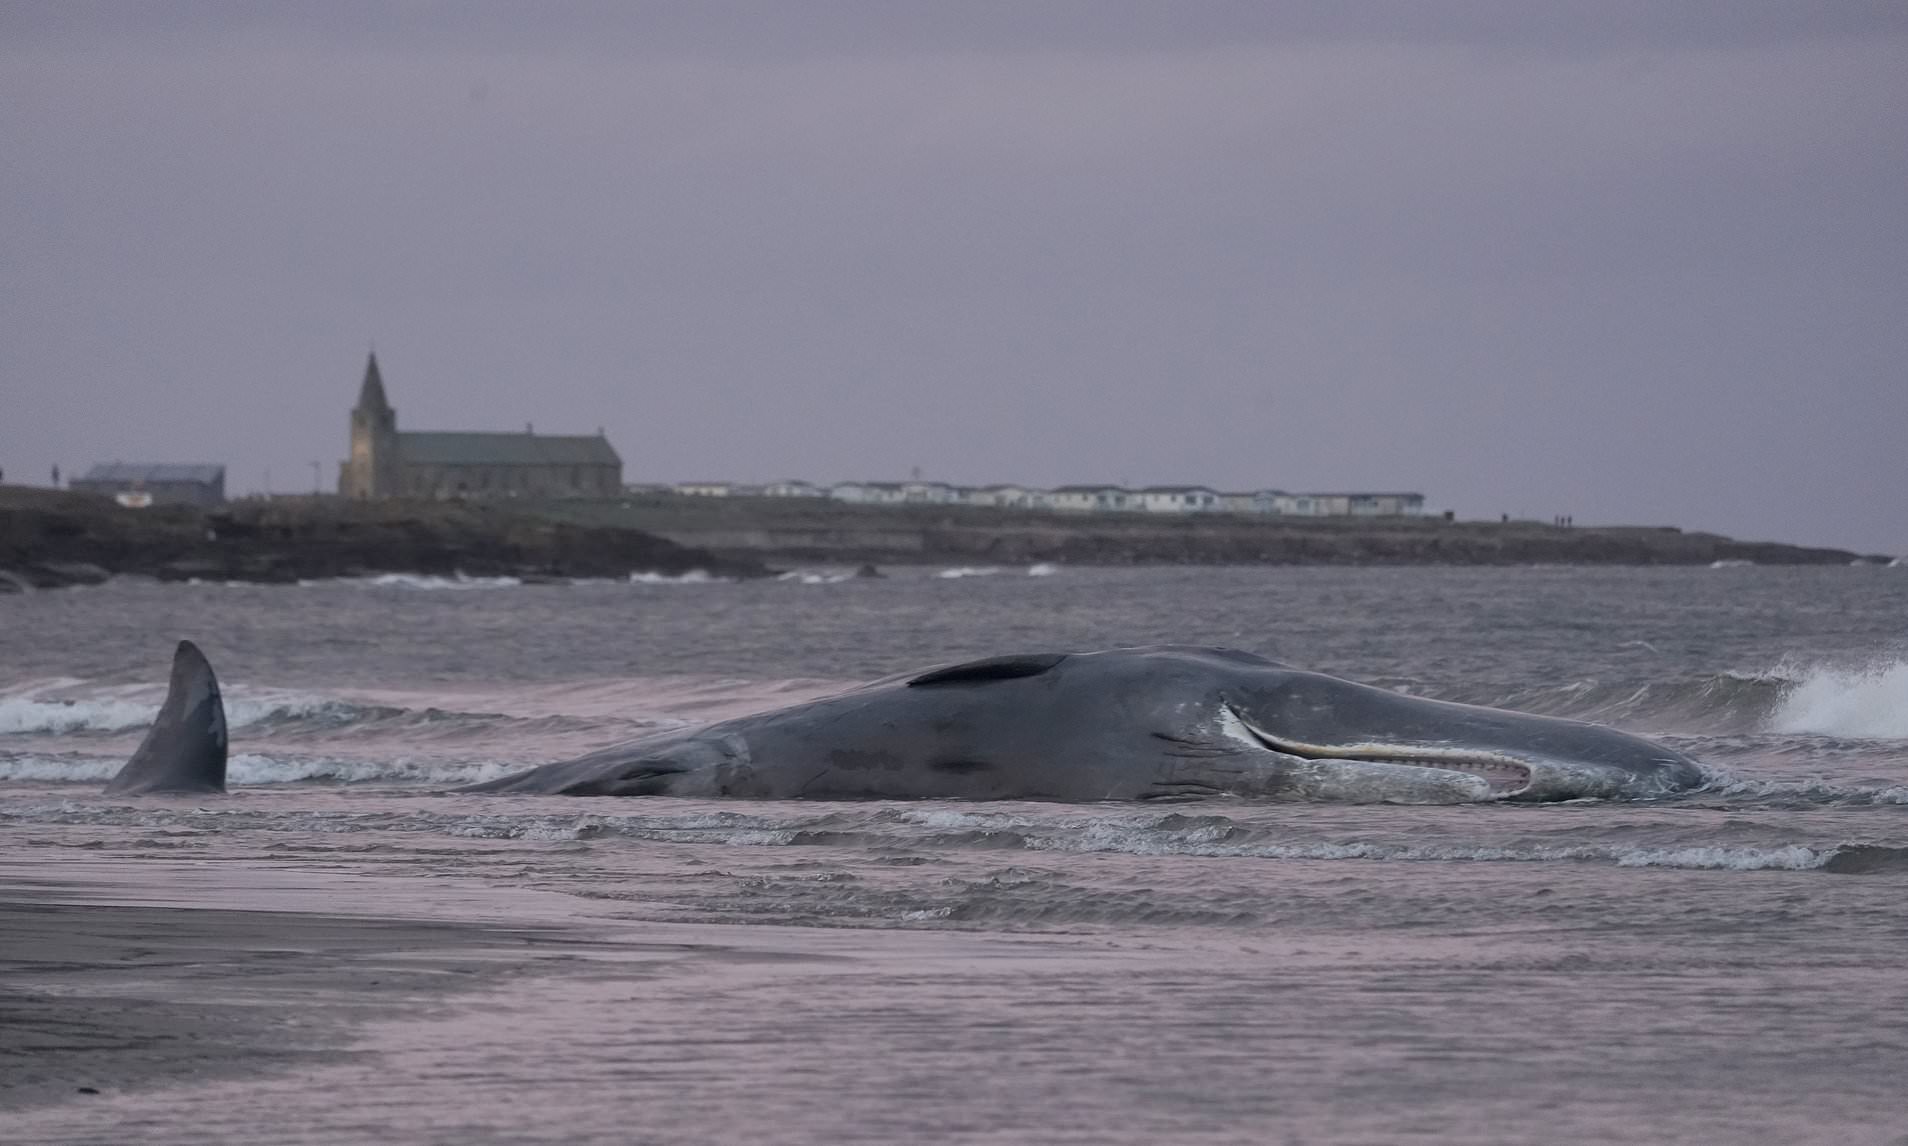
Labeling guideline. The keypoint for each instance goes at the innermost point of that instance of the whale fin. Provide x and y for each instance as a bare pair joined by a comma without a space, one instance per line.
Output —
989,668
184,751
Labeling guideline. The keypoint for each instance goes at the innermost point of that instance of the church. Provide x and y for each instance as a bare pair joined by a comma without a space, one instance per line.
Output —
388,462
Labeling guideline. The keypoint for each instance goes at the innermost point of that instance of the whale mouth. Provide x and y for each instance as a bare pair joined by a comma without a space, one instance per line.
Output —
1506,775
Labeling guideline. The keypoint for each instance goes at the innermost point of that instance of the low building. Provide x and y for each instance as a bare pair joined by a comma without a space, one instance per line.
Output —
867,492
1091,498
793,488
930,493
1177,499
1362,505
147,483
1004,496
1350,504
1084,498
1387,505
1262,501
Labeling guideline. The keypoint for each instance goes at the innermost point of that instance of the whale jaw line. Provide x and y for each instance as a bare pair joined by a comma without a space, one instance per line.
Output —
1506,775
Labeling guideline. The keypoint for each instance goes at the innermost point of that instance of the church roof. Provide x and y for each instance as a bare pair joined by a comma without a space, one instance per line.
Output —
434,448
150,473
371,394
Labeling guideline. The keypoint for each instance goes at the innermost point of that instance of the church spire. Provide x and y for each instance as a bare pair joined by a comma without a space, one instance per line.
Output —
371,394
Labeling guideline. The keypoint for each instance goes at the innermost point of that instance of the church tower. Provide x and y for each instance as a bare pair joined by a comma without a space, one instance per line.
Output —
372,469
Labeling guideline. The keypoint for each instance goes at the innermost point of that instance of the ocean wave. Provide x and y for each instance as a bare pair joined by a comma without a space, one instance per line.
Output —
249,769
21,714
1042,569
1203,837
1788,698
39,714
252,768
1710,704
1815,791
968,571
58,769
1867,859
1869,702
423,581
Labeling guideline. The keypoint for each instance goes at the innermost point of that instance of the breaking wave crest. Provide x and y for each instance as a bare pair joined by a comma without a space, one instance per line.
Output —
1870,702
1823,700
20,714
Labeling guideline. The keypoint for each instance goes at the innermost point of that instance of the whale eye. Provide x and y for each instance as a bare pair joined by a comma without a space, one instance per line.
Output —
990,668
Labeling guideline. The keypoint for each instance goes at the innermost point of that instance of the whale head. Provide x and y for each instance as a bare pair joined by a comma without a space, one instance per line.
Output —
1336,737
1237,722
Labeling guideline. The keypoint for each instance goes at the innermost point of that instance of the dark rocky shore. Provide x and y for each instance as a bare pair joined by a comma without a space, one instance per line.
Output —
49,539
791,530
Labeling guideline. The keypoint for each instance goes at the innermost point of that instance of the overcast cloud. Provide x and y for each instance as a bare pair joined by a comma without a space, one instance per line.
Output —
1635,262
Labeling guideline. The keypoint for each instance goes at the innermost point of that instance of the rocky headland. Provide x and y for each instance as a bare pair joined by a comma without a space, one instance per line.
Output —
51,538
801,530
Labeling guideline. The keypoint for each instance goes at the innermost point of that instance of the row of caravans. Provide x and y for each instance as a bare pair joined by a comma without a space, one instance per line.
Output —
1077,498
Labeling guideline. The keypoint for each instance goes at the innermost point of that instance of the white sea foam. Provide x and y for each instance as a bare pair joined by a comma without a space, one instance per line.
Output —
459,581
968,571
30,714
809,577
253,768
1210,840
1812,791
58,769
424,581
1828,701
692,577
949,819
1042,569
1731,563
1794,857
34,713
249,769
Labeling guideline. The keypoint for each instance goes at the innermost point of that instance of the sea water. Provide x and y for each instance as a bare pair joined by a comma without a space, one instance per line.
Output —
1724,965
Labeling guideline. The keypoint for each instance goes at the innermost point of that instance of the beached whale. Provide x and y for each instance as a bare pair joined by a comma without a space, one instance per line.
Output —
184,751
1126,724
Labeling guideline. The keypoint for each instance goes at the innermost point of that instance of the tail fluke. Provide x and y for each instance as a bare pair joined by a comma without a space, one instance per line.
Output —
185,749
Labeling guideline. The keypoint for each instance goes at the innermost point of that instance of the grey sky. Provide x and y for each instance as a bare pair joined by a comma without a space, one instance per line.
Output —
1638,262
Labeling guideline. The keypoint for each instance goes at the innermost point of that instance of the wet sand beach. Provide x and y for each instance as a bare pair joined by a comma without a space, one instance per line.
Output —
276,988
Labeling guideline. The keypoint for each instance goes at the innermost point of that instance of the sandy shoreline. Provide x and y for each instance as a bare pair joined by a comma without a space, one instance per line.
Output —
233,976
102,994
180,1000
